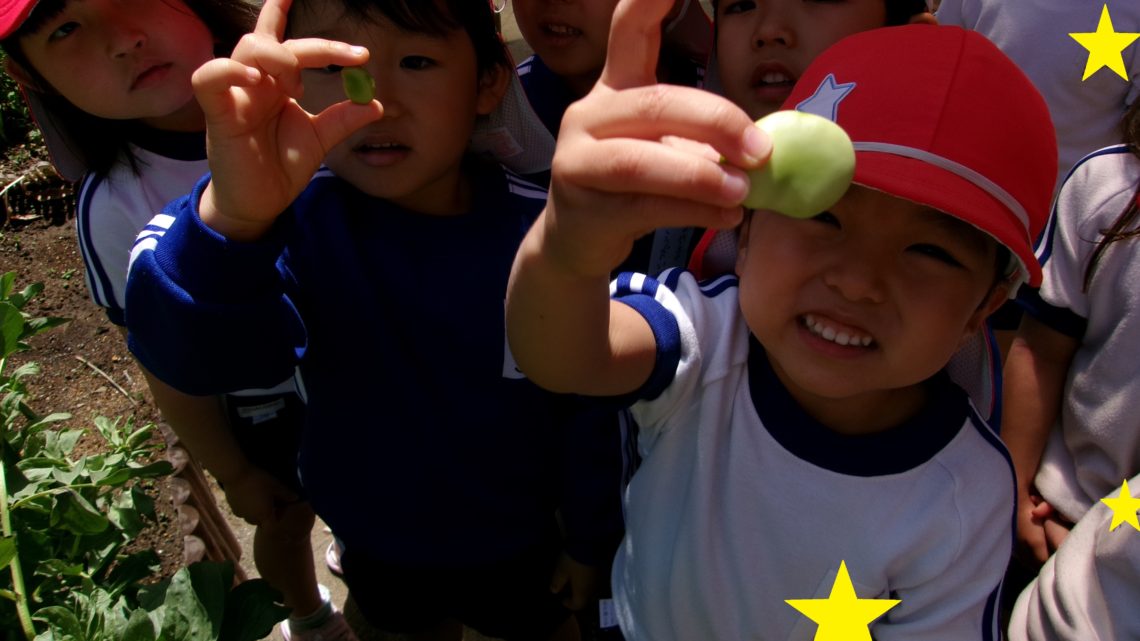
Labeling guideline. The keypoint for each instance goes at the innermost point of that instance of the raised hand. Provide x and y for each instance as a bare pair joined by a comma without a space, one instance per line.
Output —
263,147
633,155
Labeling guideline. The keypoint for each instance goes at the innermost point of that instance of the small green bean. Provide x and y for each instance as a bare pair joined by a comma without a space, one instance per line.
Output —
810,168
358,85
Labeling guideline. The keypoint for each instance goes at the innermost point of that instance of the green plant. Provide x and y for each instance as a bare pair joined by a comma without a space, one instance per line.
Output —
67,524
15,123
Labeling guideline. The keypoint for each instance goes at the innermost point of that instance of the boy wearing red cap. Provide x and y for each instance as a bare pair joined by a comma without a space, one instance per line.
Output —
803,432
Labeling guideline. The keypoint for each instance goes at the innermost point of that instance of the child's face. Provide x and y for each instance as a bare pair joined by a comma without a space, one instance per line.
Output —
763,46
431,92
866,300
124,59
570,36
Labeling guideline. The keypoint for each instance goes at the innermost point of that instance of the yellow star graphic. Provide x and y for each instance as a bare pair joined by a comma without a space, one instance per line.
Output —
1123,508
1105,46
843,616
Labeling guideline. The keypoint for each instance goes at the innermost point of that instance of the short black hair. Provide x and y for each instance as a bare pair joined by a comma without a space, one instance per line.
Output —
434,17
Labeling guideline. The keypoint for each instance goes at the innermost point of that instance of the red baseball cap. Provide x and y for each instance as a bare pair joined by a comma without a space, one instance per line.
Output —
13,13
940,116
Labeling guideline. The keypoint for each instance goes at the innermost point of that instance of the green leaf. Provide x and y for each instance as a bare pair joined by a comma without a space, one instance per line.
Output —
7,549
211,581
40,325
185,618
62,624
132,569
252,609
11,328
158,468
7,283
140,627
75,514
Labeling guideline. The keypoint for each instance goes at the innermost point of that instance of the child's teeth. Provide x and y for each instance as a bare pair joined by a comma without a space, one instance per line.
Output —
830,333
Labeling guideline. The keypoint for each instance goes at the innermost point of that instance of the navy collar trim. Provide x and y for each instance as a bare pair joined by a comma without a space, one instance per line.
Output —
893,451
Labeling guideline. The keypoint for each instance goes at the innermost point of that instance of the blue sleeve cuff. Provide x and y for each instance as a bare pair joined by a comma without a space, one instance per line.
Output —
230,271
667,335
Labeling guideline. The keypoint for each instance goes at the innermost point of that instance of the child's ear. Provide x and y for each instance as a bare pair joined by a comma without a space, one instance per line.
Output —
492,88
742,241
997,296
20,75
923,18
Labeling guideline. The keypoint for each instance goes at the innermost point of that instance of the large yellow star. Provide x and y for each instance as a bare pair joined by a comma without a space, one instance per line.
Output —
843,616
1105,46
1124,508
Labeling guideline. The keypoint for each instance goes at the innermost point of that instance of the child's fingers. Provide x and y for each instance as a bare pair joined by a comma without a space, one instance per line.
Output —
644,167
338,121
212,83
272,18
635,40
651,113
312,53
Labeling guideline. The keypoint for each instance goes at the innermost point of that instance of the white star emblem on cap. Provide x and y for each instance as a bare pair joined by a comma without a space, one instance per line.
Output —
825,101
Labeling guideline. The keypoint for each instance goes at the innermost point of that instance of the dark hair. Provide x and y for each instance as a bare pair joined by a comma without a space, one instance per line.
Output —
1124,226
101,142
899,12
434,17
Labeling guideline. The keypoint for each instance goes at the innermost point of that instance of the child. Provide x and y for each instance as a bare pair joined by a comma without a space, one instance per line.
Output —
762,48
382,280
1070,379
810,392
109,84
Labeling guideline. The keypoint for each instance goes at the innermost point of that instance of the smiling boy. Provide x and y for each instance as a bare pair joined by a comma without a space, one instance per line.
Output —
804,413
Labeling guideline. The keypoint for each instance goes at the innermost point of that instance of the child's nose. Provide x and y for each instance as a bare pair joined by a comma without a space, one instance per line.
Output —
773,27
125,37
857,275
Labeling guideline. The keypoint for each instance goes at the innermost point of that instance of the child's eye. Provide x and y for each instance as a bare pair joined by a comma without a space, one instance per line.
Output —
739,7
937,253
63,31
826,218
416,62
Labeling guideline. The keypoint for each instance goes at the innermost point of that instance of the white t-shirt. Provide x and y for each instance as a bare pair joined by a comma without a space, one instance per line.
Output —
743,500
1097,443
112,211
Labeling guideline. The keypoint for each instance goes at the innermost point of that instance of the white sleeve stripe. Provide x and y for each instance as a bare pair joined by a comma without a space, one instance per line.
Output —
98,283
536,194
145,244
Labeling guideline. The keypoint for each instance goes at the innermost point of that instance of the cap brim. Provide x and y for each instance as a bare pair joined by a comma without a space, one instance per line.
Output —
13,13
926,184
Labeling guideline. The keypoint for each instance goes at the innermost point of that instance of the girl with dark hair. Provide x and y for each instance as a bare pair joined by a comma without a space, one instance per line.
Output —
109,83
1070,379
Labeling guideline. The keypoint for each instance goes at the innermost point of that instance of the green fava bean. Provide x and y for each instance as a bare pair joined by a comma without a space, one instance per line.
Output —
810,168
358,85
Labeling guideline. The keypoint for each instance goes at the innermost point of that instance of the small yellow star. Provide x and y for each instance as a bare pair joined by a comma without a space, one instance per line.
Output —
1105,46
843,616
1123,508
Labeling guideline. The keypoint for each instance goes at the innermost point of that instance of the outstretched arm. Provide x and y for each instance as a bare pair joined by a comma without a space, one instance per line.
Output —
628,161
263,147
1034,383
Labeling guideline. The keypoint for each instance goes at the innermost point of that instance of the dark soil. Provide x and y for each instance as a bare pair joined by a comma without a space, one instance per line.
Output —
86,368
